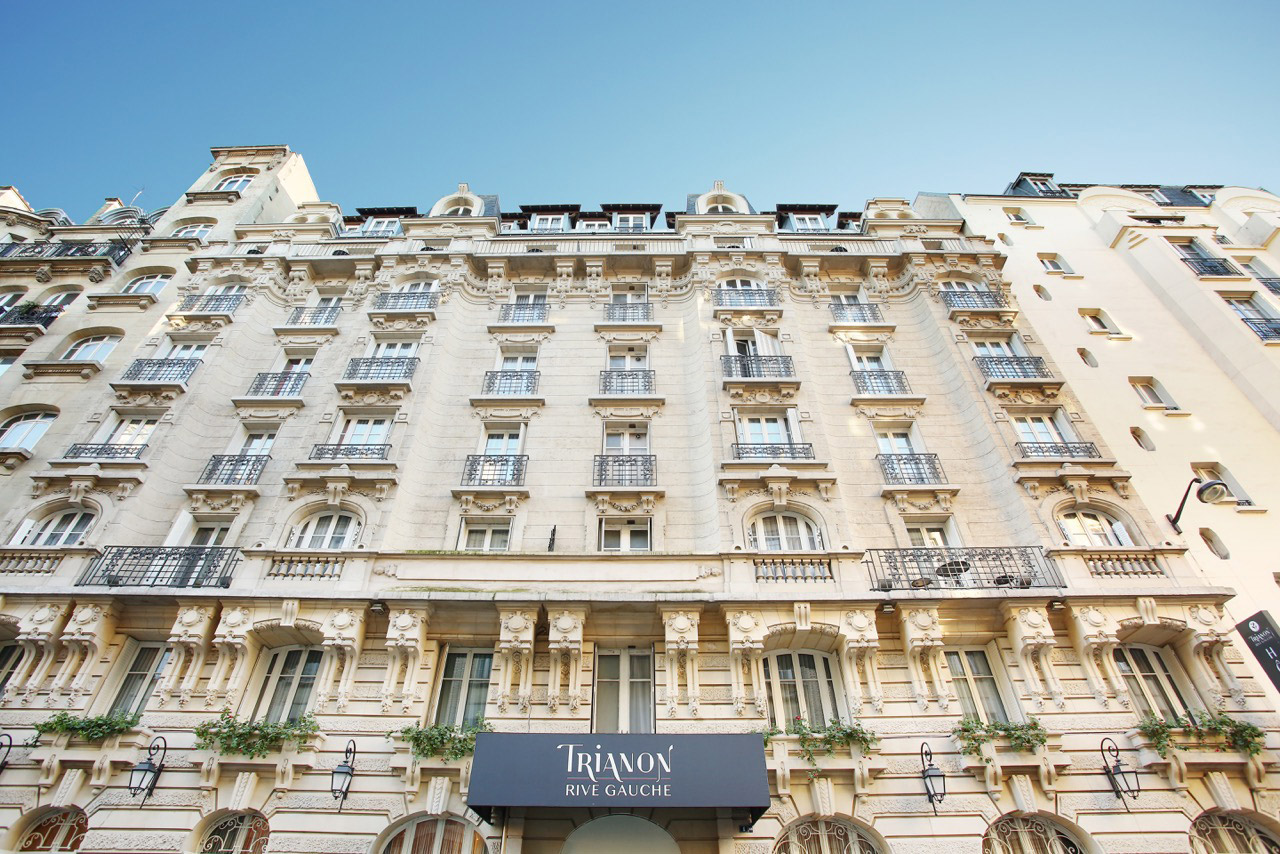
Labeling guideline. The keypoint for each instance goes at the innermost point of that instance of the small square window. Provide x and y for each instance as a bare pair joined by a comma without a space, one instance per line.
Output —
624,535
486,536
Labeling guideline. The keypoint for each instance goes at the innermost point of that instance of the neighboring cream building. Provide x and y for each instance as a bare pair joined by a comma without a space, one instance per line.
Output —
576,473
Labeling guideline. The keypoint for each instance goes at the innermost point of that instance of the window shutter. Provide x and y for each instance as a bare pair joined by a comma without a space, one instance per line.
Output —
1122,534
24,531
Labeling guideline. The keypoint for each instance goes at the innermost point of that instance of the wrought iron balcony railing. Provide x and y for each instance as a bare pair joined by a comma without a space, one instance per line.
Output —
757,367
321,316
160,370
117,252
350,452
510,382
1212,267
1272,285
974,299
749,298
626,382
417,301
772,450
880,382
1013,367
793,568
105,451
625,470
162,566
1268,328
628,312
234,469
911,468
213,303
495,470
995,568
380,369
1074,450
30,315
856,313
286,384
524,313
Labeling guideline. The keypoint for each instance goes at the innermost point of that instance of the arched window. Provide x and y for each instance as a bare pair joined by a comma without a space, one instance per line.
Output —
92,349
151,284
424,287
10,657
961,286
741,285
824,837
23,431
234,182
1028,834
246,833
802,684
720,209
783,532
64,528
9,299
1230,834
326,530
459,210
721,204
1092,529
435,835
61,831
197,230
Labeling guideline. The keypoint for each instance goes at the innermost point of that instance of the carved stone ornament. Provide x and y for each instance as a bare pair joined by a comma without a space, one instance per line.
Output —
515,656
747,632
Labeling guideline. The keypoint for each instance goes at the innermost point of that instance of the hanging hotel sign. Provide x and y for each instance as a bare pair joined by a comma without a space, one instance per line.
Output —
618,770
1263,638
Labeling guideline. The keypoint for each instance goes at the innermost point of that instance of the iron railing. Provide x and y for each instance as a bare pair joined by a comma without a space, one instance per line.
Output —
523,313
349,452
30,316
380,369
627,382
320,316
1268,328
160,370
117,252
625,470
880,382
1074,450
974,299
772,450
416,301
1013,367
510,382
1212,267
748,298
234,469
757,367
286,384
162,566
793,569
628,312
911,468
494,470
996,568
855,313
213,303
105,451
1272,285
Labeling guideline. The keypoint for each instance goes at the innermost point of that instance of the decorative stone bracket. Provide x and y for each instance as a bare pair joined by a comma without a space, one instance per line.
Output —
282,766
58,753
682,654
515,654
860,645
237,648
407,647
437,773
999,762
1188,756
1033,642
90,630
847,764
343,641
189,643
922,639
746,659
564,638
37,637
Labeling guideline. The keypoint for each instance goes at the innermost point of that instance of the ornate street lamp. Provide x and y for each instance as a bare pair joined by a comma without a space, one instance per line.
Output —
935,782
343,772
143,777
1208,493
6,744
1124,782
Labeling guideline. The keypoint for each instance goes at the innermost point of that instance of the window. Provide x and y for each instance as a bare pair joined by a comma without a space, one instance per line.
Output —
152,284
720,209
1155,196
10,656
6,362
594,225
1028,835
1215,544
628,358
825,837
807,222
1205,196
632,222
961,286
66,528
394,349
1191,249
210,535
1098,322
436,835
1217,471
258,444
198,230
1143,440
234,183
1151,393
1017,216
464,687
62,831
140,679
547,222
801,685
186,351
327,530
92,349
1149,681
741,285
742,242
23,431
1043,186
531,298
237,834
626,295
933,535
459,210
485,536
1051,429
1093,529
288,684
626,439
1248,308
624,690
1218,833
974,683
766,429
896,440
998,348
868,360
512,359
502,441
364,431
11,299
776,532
624,535
59,299
132,431
1053,264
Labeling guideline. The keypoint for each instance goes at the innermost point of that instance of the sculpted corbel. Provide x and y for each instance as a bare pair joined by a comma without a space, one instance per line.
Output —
681,637
237,647
1033,642
406,650
564,639
343,641
922,640
1202,649
860,645
90,630
37,637
1093,633
746,659
515,654
189,644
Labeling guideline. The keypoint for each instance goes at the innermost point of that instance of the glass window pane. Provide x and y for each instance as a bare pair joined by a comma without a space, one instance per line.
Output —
640,693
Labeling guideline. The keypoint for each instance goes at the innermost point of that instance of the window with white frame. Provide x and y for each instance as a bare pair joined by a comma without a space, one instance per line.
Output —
721,208
364,431
547,222
846,298
10,299
518,359
1054,264
1217,471
197,230
210,535
246,833
257,443
60,528
628,294
1151,393
741,285
25,430
234,183
486,535
624,535
624,358
464,687
974,682
1052,428
623,700
60,298
961,286
530,298
740,242
186,351
931,535
132,431
894,439
139,681
1093,529
594,225
1017,216
459,210
768,428
1043,186
326,530
750,343
393,349
776,531
92,349
802,684
1191,250
807,222
868,359
151,284
997,348
381,226
287,684
1248,307
1150,681
631,222
10,657
501,441
624,440
1155,195
1098,322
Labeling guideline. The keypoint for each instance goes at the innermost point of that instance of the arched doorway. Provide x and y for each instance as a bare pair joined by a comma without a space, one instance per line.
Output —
620,834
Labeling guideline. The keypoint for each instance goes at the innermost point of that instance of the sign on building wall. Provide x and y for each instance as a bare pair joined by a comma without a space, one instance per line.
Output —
1261,635
618,770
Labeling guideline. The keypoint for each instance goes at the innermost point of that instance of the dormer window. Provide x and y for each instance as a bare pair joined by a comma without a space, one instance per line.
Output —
233,183
1043,186
547,222
720,209
807,222
595,225
632,222
460,210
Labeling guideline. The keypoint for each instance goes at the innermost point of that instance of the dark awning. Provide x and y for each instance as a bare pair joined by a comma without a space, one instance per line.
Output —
618,771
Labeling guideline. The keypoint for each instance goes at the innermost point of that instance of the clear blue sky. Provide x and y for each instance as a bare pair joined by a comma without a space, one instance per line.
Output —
600,101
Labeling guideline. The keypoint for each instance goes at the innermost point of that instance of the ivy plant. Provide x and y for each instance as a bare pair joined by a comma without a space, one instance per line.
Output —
825,739
225,735
1219,731
768,734
972,733
448,741
89,728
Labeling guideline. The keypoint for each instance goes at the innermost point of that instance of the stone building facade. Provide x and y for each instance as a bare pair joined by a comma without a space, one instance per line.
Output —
590,473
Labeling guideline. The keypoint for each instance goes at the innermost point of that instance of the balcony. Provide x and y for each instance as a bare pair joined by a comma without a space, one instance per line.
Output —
116,252
628,312
30,315
911,468
855,313
1203,267
286,384
210,304
974,300
349,452
750,298
106,451
234,469
625,470
160,370
880,383
772,451
510,383
381,370
495,471
372,381
524,313
162,566
1267,328
306,565
757,367
1272,285
1016,567
322,316
794,568
1059,450
1013,367
403,312
417,301
631,383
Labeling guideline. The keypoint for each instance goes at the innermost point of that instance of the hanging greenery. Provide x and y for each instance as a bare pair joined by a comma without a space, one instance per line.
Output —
825,739
1218,731
89,728
448,741
972,734
227,736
